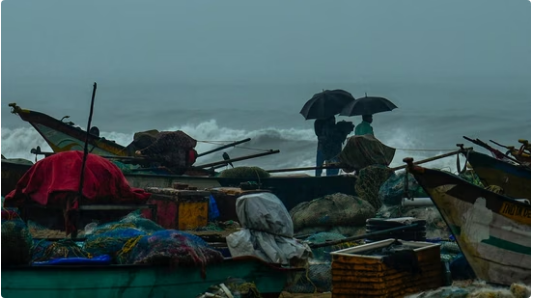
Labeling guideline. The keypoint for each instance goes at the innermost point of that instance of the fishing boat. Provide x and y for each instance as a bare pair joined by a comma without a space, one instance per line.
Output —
56,281
493,231
512,178
64,136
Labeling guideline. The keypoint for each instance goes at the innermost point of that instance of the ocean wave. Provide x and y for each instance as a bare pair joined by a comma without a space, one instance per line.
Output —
297,146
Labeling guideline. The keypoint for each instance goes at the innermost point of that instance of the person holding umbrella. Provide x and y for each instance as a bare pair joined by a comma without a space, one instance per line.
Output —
323,107
367,106
365,128
363,149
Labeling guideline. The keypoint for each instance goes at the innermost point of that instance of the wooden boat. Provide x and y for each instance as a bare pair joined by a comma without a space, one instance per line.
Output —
513,179
55,281
493,231
62,136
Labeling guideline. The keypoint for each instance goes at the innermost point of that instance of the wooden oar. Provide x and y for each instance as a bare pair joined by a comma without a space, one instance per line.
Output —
335,166
224,162
491,149
224,147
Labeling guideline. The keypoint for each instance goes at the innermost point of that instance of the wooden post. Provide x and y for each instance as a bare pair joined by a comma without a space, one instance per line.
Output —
85,153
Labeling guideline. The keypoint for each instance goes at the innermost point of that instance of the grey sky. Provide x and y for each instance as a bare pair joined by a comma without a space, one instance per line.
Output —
244,41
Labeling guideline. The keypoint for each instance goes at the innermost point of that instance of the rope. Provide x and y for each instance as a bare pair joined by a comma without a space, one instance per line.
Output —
129,245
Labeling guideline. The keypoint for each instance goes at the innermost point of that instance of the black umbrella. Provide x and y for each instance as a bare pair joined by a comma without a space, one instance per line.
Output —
368,106
326,104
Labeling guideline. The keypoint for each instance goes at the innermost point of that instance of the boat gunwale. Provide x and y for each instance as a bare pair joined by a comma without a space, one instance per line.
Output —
464,182
86,267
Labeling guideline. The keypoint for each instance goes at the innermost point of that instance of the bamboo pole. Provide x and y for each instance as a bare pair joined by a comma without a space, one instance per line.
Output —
337,166
349,239
434,158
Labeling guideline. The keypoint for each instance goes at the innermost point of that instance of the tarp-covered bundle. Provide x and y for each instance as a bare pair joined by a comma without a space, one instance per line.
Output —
55,179
364,151
267,231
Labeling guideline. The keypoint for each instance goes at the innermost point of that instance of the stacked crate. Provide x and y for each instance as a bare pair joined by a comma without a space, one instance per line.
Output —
179,209
355,274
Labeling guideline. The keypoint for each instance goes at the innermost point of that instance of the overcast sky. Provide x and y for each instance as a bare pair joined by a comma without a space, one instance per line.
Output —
199,41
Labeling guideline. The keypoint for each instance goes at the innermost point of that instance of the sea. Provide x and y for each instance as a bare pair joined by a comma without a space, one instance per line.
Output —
432,115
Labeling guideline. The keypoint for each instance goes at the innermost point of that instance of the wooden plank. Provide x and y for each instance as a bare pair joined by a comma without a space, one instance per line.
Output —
345,275
113,207
399,281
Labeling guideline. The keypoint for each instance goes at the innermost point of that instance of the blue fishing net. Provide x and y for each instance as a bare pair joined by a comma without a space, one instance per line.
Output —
133,220
50,250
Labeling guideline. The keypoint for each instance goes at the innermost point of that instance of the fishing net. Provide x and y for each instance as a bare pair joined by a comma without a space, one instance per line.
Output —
238,287
393,190
436,227
133,220
16,238
471,177
50,250
496,189
316,279
175,248
118,244
125,168
370,179
245,173
331,211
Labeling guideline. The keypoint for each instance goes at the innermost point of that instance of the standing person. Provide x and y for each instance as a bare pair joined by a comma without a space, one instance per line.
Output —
324,128
364,128
334,144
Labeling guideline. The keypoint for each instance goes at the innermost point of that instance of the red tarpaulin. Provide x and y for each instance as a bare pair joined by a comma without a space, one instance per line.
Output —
56,177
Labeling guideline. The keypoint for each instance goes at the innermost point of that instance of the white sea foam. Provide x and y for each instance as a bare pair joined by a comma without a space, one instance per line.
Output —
297,146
